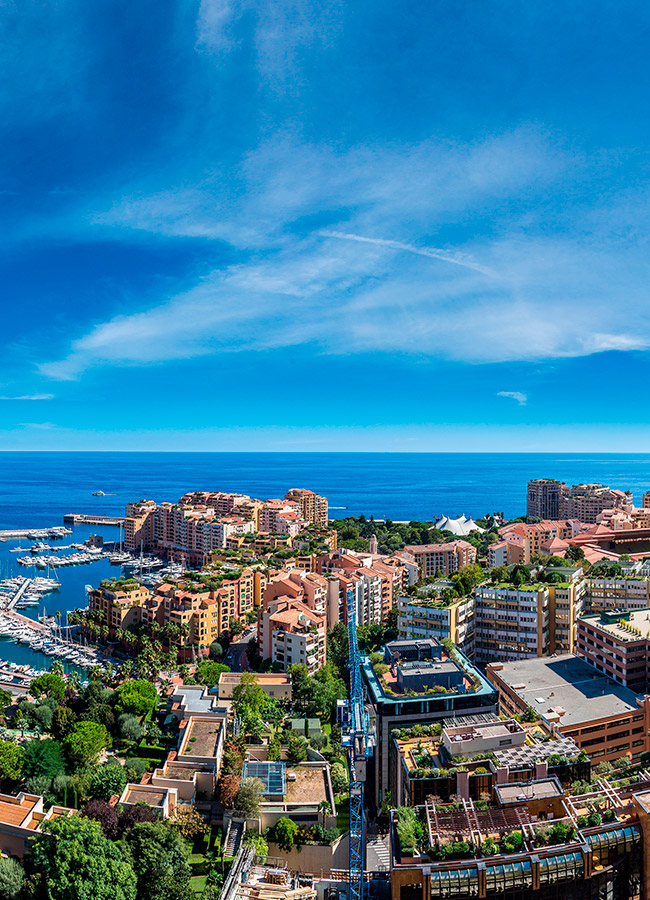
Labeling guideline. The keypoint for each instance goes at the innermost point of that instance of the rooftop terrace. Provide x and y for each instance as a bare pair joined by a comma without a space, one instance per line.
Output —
202,738
624,625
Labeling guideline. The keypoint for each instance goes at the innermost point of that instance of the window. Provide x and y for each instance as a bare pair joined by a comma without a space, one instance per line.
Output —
564,867
454,882
505,877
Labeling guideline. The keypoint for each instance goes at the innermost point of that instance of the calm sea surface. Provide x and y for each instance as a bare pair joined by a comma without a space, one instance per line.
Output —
36,489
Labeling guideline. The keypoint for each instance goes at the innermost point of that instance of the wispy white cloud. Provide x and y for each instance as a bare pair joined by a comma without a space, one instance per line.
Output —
380,251
458,259
39,426
520,397
30,397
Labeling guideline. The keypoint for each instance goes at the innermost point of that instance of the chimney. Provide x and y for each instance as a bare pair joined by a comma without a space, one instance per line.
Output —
462,784
541,770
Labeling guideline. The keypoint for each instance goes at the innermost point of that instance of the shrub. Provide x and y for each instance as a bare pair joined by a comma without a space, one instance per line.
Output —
296,748
339,778
107,780
284,832
513,842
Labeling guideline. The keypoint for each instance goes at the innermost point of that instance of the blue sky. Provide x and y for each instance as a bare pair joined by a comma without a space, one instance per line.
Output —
337,226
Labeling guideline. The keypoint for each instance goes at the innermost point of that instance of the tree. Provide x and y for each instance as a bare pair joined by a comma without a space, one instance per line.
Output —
275,748
575,553
252,839
80,863
12,878
63,721
6,699
49,684
235,626
228,788
339,778
231,762
11,760
107,780
284,832
248,697
249,797
85,742
325,808
208,672
137,815
160,859
137,697
296,748
130,727
108,817
216,650
43,758
187,821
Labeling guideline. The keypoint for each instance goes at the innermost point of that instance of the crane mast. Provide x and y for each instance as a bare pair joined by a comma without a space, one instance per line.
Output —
359,740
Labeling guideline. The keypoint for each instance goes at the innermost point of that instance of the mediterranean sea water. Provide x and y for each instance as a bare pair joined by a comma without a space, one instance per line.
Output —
37,489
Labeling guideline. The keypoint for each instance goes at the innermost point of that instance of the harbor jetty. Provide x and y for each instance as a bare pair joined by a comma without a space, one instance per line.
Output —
83,519
16,534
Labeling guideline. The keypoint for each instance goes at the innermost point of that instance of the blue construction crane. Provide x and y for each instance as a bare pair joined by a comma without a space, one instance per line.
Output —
359,739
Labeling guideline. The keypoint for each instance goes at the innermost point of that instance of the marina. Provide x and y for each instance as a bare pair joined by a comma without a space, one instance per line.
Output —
41,583
36,596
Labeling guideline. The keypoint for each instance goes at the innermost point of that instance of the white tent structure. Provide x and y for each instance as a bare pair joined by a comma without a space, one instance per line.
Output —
460,527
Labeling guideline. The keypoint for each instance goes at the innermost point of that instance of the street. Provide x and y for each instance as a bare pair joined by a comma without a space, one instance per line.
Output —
236,654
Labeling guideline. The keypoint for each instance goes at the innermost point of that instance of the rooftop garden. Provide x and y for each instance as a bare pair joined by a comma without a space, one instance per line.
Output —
121,584
210,581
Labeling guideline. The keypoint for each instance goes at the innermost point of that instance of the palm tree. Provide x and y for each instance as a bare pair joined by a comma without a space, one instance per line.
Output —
127,668
57,668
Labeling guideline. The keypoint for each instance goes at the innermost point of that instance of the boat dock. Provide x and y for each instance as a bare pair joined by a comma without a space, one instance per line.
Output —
27,583
83,519
15,534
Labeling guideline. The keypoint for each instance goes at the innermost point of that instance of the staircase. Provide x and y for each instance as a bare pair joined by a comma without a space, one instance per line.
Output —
234,837
378,854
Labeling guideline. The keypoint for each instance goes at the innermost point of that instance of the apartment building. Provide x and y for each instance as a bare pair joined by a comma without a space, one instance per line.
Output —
308,587
544,498
438,698
529,620
616,592
549,499
139,525
289,632
511,622
421,618
120,603
201,614
617,642
203,521
568,603
282,517
608,860
313,507
373,579
520,540
604,718
443,558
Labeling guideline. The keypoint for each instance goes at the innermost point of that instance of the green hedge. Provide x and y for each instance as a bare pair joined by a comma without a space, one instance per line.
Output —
147,752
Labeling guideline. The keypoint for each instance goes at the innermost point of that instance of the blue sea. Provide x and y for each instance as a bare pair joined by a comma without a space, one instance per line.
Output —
37,489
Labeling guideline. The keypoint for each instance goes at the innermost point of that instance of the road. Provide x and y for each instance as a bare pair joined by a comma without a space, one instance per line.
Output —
236,654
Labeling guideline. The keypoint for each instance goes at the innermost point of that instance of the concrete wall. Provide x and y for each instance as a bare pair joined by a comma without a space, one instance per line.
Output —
316,858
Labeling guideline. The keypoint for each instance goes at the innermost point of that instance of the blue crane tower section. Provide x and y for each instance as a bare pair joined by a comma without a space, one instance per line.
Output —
359,740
